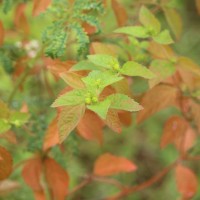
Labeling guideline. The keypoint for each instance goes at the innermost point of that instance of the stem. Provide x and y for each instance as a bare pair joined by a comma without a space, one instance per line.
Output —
143,185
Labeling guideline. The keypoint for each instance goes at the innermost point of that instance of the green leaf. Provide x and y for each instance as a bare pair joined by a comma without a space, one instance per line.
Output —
123,102
149,20
101,108
104,60
99,80
4,125
136,31
163,69
163,38
71,98
69,119
73,80
18,118
85,65
174,20
132,68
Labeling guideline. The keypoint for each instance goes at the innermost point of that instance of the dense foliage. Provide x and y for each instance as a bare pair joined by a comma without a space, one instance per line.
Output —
76,72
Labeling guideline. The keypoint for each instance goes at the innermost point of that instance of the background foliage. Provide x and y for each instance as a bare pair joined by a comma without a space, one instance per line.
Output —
92,61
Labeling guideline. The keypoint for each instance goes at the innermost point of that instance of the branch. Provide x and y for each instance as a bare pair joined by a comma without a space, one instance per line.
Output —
143,185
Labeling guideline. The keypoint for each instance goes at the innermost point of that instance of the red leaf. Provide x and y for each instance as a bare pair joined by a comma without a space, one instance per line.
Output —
52,136
186,141
5,163
57,179
186,181
125,118
108,164
120,13
2,33
20,20
90,127
31,173
40,6
174,127
156,99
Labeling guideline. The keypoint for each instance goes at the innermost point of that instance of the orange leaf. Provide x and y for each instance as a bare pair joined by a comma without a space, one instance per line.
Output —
156,99
90,127
186,141
108,164
5,163
51,136
104,48
195,110
57,67
88,28
174,127
186,181
198,6
120,13
39,195
8,186
2,33
20,20
40,6
125,118
31,173
57,179
113,121
161,51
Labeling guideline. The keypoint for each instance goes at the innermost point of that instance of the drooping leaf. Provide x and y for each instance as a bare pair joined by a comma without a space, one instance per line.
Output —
103,60
73,80
52,135
113,121
6,163
136,31
174,20
174,127
123,102
186,181
57,179
163,38
40,6
90,127
32,172
69,119
120,12
71,98
108,164
1,33
132,68
123,87
85,65
149,20
101,108
156,99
